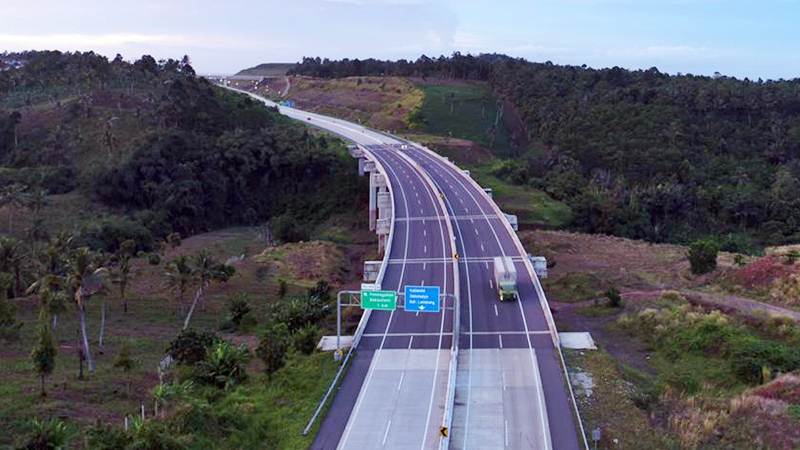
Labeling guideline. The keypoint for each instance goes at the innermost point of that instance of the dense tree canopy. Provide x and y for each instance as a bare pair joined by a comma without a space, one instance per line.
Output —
641,153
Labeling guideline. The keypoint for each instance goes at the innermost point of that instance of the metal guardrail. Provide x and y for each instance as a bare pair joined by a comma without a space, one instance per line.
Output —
537,285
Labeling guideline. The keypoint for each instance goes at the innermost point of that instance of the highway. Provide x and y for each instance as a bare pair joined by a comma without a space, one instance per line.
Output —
511,389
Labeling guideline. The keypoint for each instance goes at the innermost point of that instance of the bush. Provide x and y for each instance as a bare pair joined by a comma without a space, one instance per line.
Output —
614,297
298,312
306,338
239,317
107,234
273,347
703,256
288,228
224,365
190,346
50,434
107,437
752,357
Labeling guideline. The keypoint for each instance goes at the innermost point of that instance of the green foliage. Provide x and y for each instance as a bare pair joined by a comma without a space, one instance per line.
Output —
282,286
239,317
703,256
124,360
107,234
298,312
614,297
289,227
305,339
273,347
224,365
9,326
107,437
190,346
43,355
50,434
794,411
694,348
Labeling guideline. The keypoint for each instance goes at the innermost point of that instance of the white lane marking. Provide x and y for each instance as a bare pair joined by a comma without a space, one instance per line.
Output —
483,249
495,310
534,363
400,384
506,433
425,248
487,265
491,285
500,339
504,379
441,326
476,231
386,433
410,342
378,353
469,305
423,266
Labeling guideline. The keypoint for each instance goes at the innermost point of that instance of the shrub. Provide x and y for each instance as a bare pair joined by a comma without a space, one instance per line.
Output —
239,317
703,256
190,346
224,365
50,434
281,288
107,234
107,437
298,312
273,347
305,339
288,228
614,297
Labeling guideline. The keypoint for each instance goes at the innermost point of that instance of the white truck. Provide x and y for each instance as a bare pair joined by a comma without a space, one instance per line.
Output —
505,278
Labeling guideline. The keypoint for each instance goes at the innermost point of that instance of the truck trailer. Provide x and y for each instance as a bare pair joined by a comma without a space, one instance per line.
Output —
505,278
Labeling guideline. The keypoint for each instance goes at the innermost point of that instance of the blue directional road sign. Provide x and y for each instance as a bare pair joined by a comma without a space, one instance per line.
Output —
422,299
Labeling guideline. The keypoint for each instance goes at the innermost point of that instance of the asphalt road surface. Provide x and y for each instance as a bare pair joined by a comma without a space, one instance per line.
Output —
511,390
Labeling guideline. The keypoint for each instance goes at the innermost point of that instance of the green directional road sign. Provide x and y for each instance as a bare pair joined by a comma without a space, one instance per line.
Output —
383,300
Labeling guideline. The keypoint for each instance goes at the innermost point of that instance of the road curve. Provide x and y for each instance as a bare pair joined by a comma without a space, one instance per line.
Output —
511,387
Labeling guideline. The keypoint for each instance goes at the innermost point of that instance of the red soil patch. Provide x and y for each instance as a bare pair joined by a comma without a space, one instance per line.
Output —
763,271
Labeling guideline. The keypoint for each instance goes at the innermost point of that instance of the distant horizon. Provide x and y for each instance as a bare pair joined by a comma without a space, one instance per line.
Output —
733,37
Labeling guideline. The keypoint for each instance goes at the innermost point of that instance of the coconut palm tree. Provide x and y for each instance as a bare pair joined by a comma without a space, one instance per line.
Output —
207,271
83,280
179,274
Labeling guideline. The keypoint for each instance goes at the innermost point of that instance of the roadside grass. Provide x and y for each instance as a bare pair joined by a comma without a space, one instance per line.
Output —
599,310
463,111
612,405
574,287
531,206
273,412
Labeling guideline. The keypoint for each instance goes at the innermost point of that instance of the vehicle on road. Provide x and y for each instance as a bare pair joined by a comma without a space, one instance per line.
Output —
505,278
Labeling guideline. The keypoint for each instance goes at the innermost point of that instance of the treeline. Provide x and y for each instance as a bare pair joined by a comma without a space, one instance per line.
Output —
641,153
163,148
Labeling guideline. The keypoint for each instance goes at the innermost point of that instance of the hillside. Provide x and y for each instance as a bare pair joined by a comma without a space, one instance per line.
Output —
642,154
267,70
137,199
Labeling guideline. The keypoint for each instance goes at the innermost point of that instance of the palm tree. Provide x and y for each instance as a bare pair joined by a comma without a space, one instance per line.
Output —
180,275
206,270
50,290
122,273
83,277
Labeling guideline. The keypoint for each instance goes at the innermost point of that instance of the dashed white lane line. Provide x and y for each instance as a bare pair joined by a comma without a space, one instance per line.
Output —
506,433
503,374
402,375
483,249
491,285
495,310
410,341
386,433
425,248
500,338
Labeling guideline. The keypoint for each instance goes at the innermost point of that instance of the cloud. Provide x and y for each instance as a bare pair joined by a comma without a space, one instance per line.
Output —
115,40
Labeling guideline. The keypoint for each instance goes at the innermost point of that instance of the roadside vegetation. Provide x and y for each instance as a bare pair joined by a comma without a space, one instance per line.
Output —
156,288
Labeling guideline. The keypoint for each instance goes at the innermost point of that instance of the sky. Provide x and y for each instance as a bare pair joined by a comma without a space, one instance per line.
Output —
754,38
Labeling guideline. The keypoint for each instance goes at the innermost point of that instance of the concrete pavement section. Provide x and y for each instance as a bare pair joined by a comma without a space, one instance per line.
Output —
400,381
503,401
